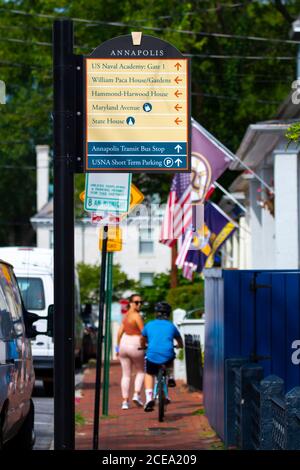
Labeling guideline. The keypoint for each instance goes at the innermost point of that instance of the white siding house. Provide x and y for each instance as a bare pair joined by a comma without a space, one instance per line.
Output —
142,255
268,237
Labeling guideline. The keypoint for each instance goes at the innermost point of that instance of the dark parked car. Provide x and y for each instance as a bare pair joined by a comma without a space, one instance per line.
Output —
16,365
89,340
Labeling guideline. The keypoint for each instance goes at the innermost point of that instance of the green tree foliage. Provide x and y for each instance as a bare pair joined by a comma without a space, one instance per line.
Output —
293,133
187,295
228,92
89,278
121,283
155,293
26,119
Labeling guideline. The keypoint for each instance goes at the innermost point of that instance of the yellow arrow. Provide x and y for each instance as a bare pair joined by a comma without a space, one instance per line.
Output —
136,197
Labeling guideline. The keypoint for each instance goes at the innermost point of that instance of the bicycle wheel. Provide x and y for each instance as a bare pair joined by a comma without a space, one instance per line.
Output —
161,396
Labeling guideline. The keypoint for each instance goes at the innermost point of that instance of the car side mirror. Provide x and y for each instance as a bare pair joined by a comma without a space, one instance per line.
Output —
29,319
50,320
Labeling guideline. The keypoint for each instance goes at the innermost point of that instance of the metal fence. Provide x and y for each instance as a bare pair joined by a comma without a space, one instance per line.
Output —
237,408
193,360
278,428
255,411
259,415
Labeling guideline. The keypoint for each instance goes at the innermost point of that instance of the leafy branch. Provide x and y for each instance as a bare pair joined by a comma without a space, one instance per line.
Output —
293,133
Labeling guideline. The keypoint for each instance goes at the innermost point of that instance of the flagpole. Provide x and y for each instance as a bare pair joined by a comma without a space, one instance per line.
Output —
174,269
230,154
230,196
238,226
224,214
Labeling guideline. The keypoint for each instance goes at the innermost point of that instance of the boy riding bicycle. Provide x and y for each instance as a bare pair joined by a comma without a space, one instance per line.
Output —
159,335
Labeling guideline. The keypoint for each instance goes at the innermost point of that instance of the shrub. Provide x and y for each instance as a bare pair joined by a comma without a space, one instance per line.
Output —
188,297
89,278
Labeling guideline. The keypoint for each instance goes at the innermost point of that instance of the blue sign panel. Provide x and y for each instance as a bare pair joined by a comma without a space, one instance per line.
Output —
146,155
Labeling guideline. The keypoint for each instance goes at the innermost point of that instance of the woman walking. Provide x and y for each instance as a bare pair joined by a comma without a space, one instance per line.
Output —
130,355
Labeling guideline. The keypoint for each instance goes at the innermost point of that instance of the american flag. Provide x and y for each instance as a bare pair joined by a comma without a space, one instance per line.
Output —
210,159
188,270
210,192
178,214
184,248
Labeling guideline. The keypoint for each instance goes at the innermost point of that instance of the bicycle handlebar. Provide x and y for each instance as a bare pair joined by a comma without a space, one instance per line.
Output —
144,349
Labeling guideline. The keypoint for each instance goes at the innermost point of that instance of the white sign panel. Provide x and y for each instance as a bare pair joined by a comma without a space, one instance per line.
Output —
109,192
104,218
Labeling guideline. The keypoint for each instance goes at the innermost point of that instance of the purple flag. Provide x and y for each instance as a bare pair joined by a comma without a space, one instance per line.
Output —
217,229
210,159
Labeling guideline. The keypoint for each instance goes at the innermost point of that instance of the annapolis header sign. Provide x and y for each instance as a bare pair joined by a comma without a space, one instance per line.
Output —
137,107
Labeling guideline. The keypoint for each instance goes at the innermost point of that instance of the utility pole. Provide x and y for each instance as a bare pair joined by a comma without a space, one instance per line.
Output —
64,152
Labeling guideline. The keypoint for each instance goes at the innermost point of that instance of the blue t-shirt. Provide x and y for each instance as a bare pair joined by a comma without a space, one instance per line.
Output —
160,335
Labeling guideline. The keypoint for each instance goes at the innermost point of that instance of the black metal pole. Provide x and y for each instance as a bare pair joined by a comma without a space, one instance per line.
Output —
100,340
64,151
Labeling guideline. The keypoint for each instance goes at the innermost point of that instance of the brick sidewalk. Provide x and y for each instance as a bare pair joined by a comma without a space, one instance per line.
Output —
184,427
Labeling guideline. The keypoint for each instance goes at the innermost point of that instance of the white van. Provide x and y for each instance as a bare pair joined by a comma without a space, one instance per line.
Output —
33,268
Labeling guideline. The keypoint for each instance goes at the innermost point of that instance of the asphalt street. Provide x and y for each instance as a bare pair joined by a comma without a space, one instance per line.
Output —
44,415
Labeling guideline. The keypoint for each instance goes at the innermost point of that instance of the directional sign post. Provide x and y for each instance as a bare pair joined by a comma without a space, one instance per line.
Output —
125,108
137,107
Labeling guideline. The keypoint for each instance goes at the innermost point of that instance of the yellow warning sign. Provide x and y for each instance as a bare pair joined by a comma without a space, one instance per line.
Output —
114,242
136,197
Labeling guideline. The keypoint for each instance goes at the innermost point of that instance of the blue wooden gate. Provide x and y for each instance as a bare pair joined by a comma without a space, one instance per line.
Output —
249,314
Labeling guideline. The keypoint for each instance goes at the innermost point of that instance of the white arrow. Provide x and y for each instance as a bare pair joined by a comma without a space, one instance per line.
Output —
178,148
178,161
